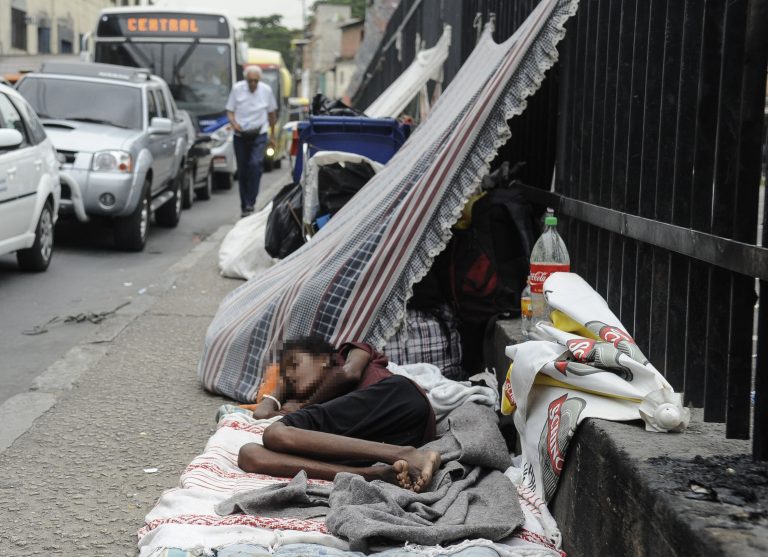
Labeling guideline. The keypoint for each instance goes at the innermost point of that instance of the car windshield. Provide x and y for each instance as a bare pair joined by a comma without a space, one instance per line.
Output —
198,73
114,105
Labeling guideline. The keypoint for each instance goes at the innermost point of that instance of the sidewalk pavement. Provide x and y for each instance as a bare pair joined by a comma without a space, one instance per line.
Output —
81,479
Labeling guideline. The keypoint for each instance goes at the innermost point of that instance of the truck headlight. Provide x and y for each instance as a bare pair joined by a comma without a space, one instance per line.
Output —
112,161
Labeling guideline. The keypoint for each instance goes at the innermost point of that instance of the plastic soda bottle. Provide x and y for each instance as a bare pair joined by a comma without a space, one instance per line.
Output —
549,255
525,310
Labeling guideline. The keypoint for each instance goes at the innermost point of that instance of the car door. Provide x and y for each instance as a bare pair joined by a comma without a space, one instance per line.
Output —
157,143
20,171
169,143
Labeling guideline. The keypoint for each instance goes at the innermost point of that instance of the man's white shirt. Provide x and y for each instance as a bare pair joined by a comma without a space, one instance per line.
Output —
251,109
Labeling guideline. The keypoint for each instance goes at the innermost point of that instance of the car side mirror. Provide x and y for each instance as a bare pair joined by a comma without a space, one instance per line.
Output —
10,138
160,125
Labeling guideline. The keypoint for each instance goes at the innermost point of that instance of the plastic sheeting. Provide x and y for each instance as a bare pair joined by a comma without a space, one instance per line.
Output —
427,65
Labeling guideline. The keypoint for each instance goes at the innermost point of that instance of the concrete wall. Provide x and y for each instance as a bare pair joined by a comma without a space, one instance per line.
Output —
325,46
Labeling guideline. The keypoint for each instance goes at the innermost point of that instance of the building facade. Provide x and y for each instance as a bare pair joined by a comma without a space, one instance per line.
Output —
49,26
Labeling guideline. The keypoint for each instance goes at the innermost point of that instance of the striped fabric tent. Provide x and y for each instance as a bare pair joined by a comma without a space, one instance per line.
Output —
351,282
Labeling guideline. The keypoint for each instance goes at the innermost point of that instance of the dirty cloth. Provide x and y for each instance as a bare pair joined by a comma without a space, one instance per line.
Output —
353,279
469,496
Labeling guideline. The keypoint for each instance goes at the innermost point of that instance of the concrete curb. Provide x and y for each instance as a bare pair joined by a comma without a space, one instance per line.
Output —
18,413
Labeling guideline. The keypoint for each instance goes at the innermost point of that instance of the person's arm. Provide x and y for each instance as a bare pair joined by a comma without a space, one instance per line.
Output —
232,121
340,379
272,403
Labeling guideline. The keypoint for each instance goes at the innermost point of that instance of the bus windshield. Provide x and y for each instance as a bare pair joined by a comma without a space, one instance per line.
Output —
197,73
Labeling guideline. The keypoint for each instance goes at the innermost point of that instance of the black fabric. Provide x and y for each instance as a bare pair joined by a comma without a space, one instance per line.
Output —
391,411
490,261
337,184
322,105
283,235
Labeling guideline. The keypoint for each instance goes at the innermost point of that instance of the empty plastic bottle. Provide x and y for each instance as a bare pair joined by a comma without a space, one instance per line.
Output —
549,255
525,311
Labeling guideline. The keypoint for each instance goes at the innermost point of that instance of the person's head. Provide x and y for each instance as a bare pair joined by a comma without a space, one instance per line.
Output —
303,362
252,75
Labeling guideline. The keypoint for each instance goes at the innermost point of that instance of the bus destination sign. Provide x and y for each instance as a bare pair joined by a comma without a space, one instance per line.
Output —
162,25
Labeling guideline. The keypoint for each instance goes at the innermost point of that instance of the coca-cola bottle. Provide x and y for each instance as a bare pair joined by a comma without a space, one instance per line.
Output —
549,255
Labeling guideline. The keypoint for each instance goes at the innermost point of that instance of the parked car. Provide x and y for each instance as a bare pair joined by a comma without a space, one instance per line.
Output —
123,141
29,184
198,179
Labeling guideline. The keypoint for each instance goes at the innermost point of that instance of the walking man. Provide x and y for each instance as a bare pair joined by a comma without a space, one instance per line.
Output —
252,111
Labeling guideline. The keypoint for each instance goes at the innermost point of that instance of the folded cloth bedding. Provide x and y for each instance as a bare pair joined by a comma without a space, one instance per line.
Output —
469,497
445,394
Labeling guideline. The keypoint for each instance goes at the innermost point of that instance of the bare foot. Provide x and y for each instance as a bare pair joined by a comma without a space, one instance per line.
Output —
396,473
402,475
421,467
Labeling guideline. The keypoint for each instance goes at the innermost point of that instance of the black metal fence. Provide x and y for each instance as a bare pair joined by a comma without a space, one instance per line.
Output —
654,117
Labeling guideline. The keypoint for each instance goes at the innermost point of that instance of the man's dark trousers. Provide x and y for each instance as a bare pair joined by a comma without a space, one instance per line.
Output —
249,152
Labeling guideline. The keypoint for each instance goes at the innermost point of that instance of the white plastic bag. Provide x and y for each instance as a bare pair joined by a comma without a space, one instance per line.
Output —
242,253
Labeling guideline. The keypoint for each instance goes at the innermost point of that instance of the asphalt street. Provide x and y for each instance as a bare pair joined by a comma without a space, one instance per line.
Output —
89,276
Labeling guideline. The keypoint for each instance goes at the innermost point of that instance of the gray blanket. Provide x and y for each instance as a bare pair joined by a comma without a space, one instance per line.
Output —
469,496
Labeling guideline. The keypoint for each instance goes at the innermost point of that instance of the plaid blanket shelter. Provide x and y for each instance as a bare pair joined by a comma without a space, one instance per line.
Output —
351,282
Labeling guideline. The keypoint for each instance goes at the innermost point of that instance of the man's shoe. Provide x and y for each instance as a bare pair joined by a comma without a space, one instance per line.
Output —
246,212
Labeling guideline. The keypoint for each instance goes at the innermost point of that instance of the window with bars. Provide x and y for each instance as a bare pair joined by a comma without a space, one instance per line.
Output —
18,29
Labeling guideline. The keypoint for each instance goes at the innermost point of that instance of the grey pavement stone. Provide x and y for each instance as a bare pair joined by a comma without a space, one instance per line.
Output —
73,483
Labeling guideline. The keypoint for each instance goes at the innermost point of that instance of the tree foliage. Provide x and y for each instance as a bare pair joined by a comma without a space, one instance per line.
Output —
268,32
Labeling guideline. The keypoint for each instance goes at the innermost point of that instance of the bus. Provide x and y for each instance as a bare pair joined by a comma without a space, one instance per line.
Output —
274,73
195,52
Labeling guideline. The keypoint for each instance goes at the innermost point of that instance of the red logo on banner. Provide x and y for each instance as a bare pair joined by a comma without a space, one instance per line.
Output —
580,348
553,429
614,335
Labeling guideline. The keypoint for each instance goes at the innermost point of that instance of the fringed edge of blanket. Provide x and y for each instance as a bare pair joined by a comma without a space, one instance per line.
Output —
494,134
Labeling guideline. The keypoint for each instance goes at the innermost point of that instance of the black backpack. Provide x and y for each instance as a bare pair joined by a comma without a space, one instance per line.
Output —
283,234
489,262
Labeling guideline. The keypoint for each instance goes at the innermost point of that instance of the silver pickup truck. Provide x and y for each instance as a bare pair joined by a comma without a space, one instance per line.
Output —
121,142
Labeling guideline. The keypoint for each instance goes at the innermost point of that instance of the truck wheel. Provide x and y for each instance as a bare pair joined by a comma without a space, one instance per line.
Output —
188,188
131,232
169,214
222,180
38,257
205,192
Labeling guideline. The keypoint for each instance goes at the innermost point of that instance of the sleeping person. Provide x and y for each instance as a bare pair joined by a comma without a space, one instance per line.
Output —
343,411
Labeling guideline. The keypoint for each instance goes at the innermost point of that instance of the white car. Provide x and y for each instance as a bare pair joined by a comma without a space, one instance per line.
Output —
29,184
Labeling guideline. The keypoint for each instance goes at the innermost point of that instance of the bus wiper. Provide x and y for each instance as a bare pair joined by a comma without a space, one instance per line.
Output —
97,121
136,52
183,60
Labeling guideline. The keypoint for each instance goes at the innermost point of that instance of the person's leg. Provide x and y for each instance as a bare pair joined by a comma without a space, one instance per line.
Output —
419,465
255,167
242,173
257,459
